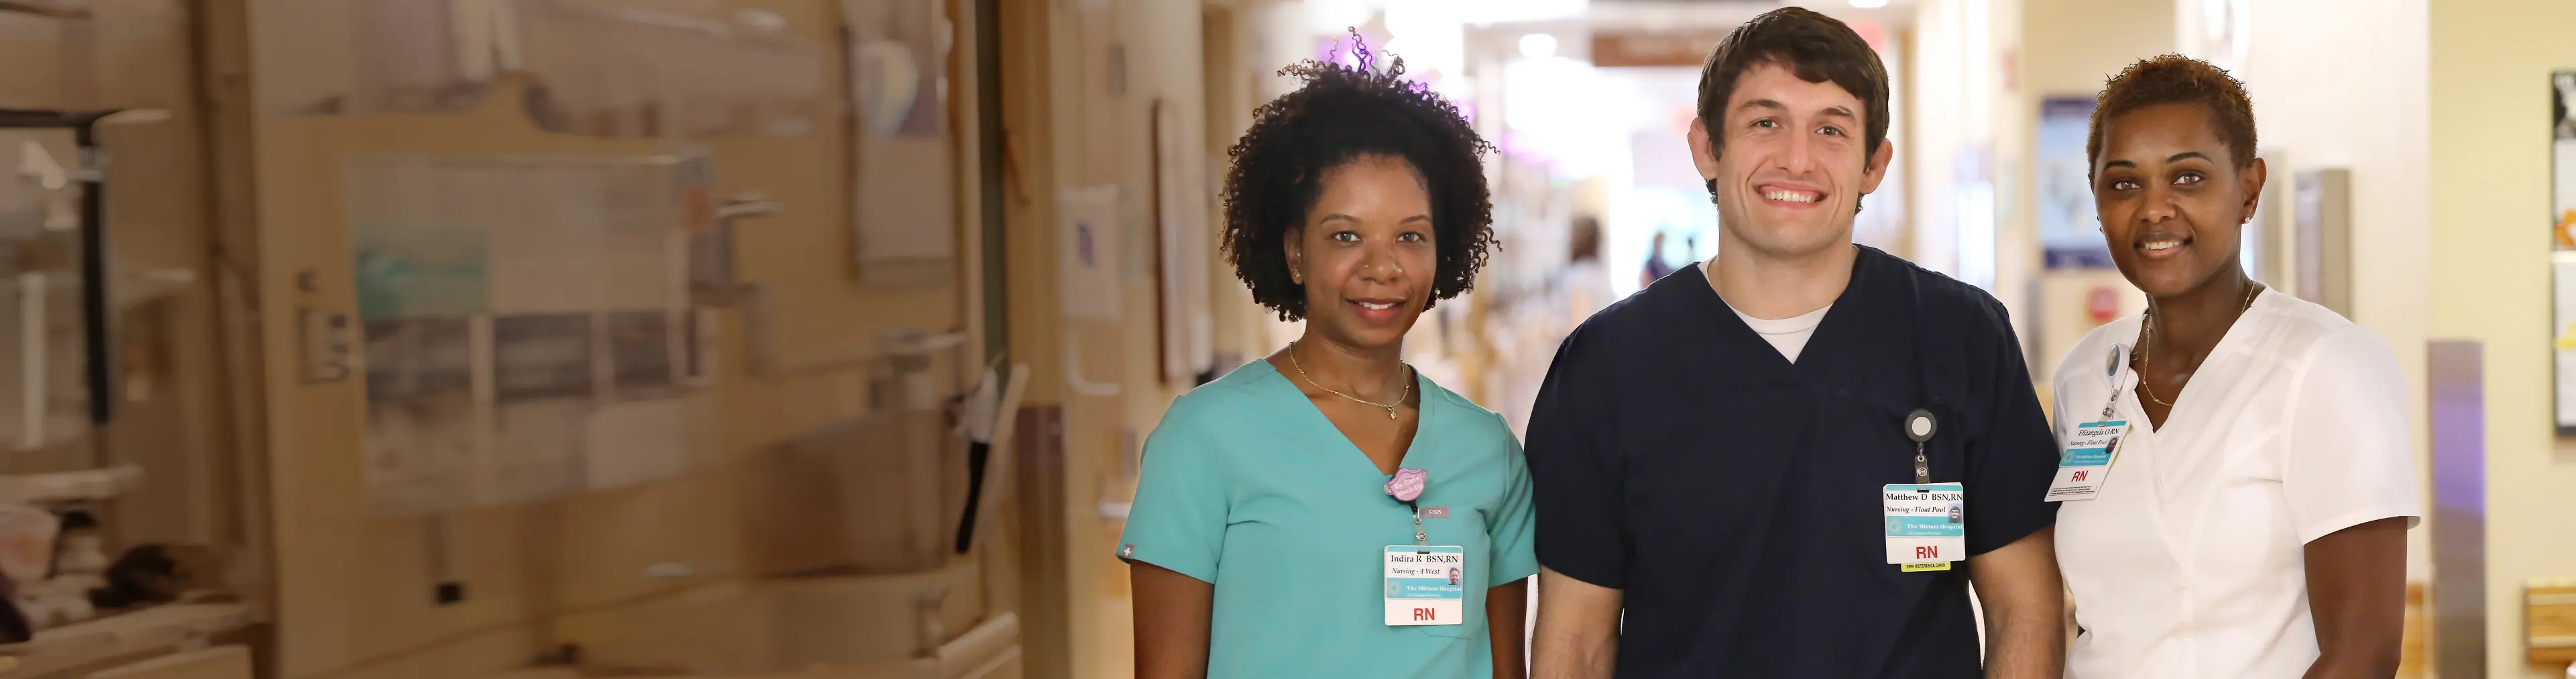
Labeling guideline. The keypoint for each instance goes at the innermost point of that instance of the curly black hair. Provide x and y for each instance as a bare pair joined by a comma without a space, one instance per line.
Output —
1344,113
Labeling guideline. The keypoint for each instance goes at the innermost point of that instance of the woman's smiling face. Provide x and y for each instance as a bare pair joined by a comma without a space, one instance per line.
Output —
1365,253
2172,200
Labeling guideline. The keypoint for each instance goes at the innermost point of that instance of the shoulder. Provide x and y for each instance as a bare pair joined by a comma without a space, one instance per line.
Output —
2305,336
1655,311
2090,355
1207,407
1470,419
1942,297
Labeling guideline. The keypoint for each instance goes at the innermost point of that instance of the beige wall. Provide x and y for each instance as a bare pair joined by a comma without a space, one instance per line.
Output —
2340,83
1085,132
2490,280
2069,47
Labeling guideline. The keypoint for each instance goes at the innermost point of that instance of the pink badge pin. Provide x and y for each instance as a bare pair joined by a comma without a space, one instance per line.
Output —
1407,484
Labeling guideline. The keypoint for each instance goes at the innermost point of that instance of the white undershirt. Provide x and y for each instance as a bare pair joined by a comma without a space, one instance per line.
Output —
1789,335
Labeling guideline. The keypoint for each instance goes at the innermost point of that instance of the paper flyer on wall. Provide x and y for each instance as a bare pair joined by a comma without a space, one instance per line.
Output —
521,321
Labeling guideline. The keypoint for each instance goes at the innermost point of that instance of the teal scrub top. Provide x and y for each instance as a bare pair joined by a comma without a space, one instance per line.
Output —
1248,487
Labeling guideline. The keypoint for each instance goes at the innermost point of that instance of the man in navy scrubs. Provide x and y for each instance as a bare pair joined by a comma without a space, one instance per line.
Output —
1746,469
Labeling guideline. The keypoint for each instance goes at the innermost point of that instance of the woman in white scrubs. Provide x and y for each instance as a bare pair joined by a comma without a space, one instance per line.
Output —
2251,519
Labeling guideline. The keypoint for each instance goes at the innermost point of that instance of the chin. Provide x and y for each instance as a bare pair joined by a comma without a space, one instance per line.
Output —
2159,283
1797,241
1366,335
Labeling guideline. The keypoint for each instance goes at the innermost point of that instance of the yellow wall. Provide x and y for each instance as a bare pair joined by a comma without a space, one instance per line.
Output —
2490,176
2069,47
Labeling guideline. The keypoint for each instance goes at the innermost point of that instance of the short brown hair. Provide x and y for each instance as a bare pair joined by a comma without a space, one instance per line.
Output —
2177,79
1816,47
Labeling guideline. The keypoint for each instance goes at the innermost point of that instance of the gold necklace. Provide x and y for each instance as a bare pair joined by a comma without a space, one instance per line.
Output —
2147,352
1390,409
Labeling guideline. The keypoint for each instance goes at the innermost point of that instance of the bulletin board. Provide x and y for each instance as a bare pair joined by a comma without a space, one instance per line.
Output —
2562,256
2068,229
525,325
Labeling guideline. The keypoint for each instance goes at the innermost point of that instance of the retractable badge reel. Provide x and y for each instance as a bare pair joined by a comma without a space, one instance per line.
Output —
1920,426
1926,522
2084,463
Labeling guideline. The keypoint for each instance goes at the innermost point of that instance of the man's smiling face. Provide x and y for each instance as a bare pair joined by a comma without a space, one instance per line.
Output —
1789,161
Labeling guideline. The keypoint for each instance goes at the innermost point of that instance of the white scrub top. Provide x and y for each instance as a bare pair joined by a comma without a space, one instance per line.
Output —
2190,562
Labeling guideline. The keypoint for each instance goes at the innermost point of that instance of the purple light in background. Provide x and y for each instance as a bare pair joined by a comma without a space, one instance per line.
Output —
1467,110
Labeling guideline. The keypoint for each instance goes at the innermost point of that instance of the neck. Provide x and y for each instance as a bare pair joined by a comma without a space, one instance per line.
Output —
2190,324
1768,287
1372,373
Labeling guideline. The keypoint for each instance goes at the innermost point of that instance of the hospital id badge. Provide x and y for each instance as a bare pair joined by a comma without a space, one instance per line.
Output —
1927,524
1426,585
2087,460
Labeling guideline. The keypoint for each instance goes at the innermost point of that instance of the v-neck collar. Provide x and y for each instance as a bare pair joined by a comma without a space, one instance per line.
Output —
1732,329
1286,389
2226,349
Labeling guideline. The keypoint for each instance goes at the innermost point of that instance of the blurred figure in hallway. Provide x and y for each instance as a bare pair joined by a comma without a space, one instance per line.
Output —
1528,334
1584,283
1655,268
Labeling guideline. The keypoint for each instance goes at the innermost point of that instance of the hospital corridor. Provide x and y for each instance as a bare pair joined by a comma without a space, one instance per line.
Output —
1093,339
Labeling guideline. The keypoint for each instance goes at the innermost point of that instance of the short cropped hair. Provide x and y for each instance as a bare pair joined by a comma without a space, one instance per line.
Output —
2177,79
1815,47
1345,113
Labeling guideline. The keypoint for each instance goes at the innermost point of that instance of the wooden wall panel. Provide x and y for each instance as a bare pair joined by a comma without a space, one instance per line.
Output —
356,590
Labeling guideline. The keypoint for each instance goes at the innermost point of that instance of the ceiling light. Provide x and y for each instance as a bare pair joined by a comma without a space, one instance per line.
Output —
1538,45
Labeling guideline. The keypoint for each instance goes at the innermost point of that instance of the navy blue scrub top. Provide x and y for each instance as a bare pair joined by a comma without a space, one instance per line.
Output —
1734,496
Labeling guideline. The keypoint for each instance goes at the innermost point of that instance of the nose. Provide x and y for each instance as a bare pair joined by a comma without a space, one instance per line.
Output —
1799,157
1378,263
2157,206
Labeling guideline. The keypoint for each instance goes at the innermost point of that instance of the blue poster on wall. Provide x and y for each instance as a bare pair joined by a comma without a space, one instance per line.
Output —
2068,232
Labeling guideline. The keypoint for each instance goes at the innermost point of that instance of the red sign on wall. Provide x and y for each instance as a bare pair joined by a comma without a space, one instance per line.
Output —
2102,304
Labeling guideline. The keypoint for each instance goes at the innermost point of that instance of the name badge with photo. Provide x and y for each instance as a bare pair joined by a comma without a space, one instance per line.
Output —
2086,462
1927,524
1426,585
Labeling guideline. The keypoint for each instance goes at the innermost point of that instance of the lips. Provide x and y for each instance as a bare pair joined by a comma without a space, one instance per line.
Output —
2162,246
1378,310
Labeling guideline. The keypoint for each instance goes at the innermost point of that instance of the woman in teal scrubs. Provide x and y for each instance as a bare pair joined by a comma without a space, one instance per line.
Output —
1328,512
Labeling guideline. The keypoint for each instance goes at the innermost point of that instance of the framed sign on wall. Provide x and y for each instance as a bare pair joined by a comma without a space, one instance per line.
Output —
2562,255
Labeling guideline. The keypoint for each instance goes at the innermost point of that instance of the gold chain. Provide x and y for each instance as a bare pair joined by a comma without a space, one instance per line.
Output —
1390,409
2147,352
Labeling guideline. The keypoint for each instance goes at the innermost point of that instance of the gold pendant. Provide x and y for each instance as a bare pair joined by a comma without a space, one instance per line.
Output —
1390,413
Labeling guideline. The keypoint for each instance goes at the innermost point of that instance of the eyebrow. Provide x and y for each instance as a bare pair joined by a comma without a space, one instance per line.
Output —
2178,157
1331,216
1775,105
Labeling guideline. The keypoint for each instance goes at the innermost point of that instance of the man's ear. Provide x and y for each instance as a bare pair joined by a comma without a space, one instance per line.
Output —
1703,149
1876,171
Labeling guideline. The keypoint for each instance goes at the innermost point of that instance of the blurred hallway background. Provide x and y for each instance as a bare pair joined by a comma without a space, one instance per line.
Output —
765,338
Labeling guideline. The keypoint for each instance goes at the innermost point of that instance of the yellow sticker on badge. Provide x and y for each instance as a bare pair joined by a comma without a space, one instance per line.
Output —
1922,567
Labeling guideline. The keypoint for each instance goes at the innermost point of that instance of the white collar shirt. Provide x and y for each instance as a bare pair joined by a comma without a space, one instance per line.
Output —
2190,562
